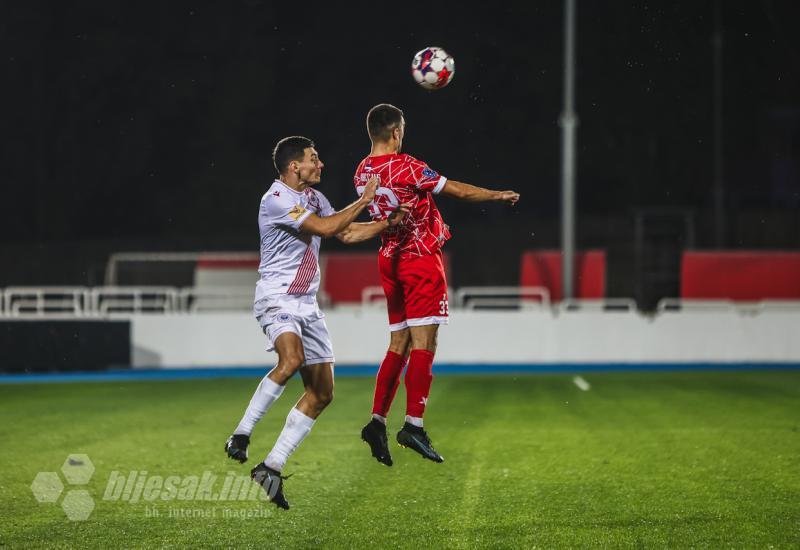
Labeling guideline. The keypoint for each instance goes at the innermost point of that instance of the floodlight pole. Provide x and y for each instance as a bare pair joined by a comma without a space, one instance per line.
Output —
568,122
719,178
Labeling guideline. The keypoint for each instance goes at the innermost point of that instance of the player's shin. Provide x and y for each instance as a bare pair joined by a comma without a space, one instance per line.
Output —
265,395
418,384
386,384
294,432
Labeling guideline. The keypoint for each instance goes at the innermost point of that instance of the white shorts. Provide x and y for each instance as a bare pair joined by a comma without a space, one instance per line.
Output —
302,316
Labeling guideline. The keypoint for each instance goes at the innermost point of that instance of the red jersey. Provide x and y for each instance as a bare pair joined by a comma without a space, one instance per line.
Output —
405,179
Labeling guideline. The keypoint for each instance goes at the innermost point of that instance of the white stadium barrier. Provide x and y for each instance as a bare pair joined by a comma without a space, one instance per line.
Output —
360,336
191,327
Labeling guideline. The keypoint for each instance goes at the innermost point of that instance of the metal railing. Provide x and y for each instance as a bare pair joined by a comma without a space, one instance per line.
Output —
86,302
667,305
124,299
78,301
373,296
48,300
195,299
502,297
599,304
114,261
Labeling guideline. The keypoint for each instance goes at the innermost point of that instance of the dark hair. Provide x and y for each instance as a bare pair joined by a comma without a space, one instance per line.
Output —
381,120
289,149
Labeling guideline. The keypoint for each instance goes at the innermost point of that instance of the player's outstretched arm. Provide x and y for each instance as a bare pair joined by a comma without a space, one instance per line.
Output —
471,193
357,232
329,226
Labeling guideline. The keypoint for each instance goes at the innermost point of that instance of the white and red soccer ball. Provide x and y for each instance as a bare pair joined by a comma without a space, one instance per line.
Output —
433,68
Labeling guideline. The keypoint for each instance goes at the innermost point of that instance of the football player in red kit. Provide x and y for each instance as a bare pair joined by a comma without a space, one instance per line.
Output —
410,262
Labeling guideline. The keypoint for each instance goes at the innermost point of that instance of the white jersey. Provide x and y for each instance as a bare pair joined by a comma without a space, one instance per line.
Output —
289,259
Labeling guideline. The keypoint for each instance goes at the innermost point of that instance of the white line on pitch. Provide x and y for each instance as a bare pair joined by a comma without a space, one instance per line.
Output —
581,383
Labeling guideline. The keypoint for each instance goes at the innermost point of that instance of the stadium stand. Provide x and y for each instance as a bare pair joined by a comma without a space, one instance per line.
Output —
542,268
346,275
743,275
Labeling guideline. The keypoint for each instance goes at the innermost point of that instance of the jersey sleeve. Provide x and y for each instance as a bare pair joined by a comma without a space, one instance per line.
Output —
325,208
284,211
423,178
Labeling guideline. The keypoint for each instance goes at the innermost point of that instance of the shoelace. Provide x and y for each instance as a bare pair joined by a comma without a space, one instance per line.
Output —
425,438
284,478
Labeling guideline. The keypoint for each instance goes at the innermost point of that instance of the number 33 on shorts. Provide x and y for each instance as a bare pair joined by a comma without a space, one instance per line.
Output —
443,306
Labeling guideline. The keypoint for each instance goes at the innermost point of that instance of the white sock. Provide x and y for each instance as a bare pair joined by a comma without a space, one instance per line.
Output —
294,432
379,418
265,395
414,421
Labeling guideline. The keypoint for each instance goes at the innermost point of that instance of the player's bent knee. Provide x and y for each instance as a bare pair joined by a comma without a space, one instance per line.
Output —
424,337
289,364
324,398
426,343
318,400
399,341
399,349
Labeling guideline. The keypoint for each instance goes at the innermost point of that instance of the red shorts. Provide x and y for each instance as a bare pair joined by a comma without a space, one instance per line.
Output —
415,289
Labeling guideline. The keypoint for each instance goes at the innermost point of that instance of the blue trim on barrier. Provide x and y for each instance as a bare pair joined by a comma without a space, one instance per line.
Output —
124,375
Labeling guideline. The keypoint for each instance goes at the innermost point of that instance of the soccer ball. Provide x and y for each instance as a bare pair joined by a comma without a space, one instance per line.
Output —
433,68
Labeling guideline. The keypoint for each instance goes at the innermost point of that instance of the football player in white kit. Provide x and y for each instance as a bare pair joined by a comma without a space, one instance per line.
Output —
292,219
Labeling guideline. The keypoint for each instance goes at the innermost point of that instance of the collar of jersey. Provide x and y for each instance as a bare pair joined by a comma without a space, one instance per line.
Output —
386,155
289,188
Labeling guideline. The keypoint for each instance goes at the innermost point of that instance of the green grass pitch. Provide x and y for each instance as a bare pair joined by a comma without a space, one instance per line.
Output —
677,460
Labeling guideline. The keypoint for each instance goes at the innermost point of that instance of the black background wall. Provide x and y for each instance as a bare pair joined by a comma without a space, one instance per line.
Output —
55,345
149,126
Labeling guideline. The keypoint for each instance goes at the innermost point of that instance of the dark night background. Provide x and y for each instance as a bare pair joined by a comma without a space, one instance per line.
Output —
149,127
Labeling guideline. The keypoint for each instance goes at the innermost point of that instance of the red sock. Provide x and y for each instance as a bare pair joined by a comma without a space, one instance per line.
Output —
387,381
418,381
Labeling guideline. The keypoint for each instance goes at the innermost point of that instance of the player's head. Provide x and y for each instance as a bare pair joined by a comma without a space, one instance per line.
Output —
296,157
385,124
